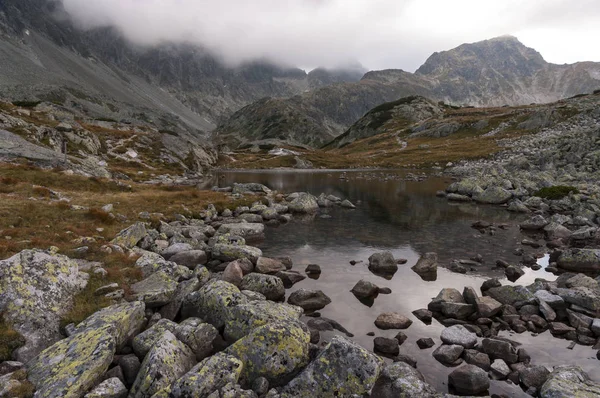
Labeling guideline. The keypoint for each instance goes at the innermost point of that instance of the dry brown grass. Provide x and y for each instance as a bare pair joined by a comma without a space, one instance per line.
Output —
10,340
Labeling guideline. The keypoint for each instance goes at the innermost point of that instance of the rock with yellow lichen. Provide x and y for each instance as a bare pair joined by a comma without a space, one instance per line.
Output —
210,375
197,335
36,289
167,361
269,286
342,369
110,388
232,252
276,351
71,367
244,318
125,321
156,290
143,342
129,237
150,263
213,302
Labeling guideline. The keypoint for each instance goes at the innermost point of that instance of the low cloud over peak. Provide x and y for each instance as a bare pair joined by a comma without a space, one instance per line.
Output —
377,33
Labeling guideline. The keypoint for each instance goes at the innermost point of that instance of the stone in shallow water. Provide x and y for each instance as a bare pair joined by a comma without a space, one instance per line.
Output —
385,346
383,263
309,300
469,380
459,335
364,289
392,320
449,354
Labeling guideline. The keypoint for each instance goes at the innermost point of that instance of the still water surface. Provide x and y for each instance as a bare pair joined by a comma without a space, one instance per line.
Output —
406,218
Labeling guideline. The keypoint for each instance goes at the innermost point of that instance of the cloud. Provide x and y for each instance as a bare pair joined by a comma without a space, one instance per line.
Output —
378,33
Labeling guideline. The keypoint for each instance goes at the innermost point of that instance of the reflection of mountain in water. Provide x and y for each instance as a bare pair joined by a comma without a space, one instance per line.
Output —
390,214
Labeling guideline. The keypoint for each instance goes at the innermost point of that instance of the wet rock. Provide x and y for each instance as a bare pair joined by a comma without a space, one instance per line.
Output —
547,311
250,187
469,380
37,288
424,343
167,361
309,300
454,197
212,374
304,203
449,354
386,347
493,195
382,263
347,204
110,388
275,351
457,310
401,380
559,328
266,265
513,273
535,223
156,290
490,283
129,237
74,365
364,289
392,320
500,349
343,368
424,315
569,381
244,318
427,264
457,267
213,302
459,335
479,359
581,296
268,285
290,278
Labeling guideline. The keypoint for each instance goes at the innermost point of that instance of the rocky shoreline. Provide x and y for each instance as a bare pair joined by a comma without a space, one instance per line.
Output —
207,319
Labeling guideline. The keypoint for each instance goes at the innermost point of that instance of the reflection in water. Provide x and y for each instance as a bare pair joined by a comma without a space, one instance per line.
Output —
407,219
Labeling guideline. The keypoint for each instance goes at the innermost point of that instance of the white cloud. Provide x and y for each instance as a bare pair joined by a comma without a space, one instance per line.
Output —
378,33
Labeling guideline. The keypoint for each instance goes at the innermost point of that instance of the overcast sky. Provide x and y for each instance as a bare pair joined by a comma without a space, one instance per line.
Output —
377,33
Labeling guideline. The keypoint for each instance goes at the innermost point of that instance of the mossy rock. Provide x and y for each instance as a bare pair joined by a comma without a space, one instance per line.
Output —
213,302
247,317
556,192
210,375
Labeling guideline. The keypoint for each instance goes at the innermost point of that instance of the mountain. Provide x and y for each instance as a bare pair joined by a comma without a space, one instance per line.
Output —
496,72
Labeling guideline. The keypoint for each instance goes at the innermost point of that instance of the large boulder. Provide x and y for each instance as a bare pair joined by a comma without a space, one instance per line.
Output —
275,351
244,318
309,300
569,381
124,320
304,203
268,285
494,195
185,288
71,367
156,290
581,296
167,361
509,294
37,288
365,290
190,258
469,380
129,237
110,388
500,349
150,263
535,223
208,376
342,369
230,252
427,265
197,335
143,342
402,380
579,260
383,263
246,230
213,302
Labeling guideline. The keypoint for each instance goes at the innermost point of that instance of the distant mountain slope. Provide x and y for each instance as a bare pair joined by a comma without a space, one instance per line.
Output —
496,72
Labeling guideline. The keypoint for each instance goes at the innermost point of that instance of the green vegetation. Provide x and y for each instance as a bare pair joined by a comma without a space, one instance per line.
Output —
10,340
556,192
26,104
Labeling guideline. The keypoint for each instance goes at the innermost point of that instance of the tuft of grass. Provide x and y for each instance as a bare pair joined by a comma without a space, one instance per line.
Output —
556,192
101,216
10,340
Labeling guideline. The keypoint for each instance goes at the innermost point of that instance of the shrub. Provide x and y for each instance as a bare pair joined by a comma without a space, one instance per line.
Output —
27,104
556,192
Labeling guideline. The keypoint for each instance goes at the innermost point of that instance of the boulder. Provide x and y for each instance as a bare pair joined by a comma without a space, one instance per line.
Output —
488,307
156,290
266,265
509,294
499,370
143,342
479,359
275,351
110,388
569,381
533,376
167,361
304,203
268,285
424,315
581,296
457,310
250,187
199,336
183,289
309,300
129,237
342,369
246,230
212,374
73,366
175,249
150,262
427,265
383,263
244,318
513,273
402,380
449,354
231,252
190,258
233,273
493,195
535,223
347,204
469,380
579,260
500,349
37,289
386,347
392,320
365,290
459,335
290,278
213,302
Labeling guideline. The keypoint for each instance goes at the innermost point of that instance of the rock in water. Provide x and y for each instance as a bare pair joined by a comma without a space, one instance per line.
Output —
74,365
426,267
569,381
364,289
493,195
469,380
275,351
37,289
304,203
167,361
402,380
459,335
579,260
382,263
209,375
392,320
342,369
309,300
